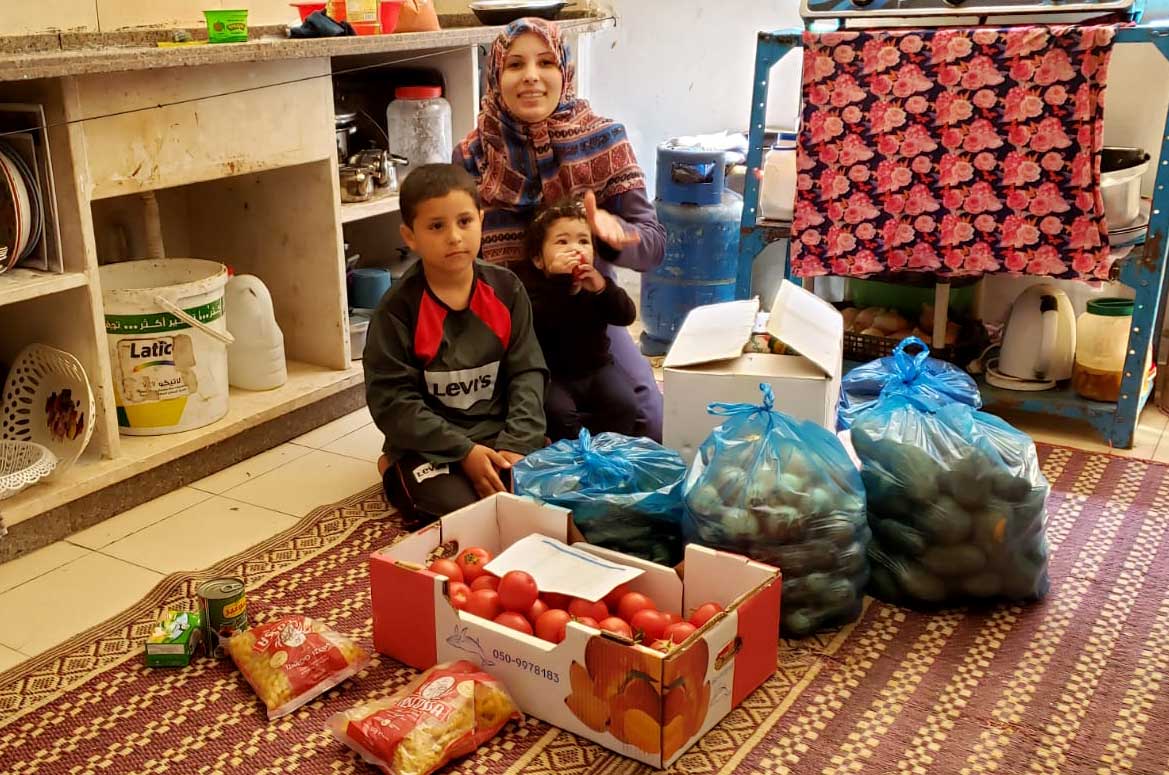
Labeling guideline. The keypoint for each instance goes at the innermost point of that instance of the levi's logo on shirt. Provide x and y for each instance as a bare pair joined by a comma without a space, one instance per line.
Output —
463,389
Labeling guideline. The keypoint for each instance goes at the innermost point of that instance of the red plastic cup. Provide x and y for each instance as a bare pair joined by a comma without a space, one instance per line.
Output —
306,9
387,13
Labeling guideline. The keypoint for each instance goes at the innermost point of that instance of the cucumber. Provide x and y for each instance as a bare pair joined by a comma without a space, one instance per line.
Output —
919,583
982,585
798,623
902,539
883,584
944,521
960,560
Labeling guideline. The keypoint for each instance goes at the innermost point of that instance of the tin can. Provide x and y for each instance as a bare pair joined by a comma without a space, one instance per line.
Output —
225,612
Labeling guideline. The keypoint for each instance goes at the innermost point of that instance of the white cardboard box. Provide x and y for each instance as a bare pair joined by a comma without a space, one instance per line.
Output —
707,364
633,700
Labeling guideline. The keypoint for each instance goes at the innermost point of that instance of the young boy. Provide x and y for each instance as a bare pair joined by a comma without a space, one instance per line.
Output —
573,304
454,376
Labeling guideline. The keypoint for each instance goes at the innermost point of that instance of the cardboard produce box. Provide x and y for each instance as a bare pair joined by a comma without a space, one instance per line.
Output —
706,363
636,701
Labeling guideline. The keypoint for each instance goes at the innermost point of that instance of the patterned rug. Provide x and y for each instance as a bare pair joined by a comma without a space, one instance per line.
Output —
1078,684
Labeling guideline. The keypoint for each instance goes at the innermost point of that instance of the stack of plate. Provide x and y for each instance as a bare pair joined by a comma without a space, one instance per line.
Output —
1133,233
22,211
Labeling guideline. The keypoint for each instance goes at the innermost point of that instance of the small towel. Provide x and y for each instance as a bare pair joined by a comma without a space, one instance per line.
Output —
954,151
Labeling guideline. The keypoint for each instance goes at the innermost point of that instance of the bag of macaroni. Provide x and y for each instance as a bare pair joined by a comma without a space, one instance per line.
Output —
291,661
444,714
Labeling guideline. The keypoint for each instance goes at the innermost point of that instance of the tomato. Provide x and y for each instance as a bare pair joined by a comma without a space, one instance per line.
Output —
460,594
631,603
614,597
649,625
679,631
704,613
587,621
616,626
485,603
448,568
583,608
537,608
486,581
557,600
551,625
673,617
517,591
514,621
471,562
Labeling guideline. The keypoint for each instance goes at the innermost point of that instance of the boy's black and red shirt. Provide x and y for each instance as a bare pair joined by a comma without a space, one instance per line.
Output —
439,380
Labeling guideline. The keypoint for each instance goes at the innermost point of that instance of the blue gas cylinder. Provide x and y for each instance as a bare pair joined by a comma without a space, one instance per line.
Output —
702,220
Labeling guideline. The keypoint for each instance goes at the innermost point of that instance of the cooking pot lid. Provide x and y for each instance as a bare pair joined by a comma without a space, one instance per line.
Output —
342,119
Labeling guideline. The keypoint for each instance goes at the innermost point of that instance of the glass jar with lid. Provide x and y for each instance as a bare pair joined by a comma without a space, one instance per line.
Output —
419,126
1101,345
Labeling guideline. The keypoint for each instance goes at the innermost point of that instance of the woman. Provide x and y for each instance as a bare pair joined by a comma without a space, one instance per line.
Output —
536,142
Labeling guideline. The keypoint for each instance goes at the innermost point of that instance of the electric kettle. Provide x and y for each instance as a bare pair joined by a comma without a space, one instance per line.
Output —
1039,342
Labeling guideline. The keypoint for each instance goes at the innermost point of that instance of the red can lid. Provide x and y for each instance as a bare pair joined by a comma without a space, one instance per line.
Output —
417,92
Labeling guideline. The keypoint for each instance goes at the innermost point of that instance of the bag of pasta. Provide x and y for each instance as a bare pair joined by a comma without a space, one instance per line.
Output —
294,660
444,714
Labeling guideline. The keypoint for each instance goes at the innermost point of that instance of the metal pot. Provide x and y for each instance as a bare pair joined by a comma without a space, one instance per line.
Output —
356,184
381,164
345,125
1120,184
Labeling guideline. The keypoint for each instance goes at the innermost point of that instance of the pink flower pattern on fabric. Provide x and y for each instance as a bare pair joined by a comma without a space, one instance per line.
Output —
954,151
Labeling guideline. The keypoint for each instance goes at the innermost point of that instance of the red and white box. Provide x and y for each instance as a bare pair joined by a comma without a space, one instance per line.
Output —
634,700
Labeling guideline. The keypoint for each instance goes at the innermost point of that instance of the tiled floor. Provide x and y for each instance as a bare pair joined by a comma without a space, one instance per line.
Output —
196,526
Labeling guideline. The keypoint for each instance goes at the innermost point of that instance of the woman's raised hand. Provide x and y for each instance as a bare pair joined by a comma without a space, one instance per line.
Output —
606,226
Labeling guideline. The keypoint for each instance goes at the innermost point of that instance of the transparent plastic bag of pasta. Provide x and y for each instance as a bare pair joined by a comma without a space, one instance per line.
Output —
292,661
624,493
783,492
956,503
444,714
861,387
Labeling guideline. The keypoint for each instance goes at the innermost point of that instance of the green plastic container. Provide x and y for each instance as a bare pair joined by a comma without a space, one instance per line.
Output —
227,26
904,298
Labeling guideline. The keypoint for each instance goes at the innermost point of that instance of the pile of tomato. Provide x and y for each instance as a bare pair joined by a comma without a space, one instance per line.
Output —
515,601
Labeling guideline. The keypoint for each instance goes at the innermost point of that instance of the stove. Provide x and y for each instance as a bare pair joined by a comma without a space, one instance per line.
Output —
841,9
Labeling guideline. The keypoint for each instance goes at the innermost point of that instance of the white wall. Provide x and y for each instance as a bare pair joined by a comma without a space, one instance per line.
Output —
677,67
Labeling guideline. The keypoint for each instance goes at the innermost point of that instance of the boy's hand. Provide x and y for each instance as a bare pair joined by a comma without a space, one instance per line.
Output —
512,457
482,465
589,278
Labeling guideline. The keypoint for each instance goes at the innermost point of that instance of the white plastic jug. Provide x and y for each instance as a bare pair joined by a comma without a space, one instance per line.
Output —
256,360
778,192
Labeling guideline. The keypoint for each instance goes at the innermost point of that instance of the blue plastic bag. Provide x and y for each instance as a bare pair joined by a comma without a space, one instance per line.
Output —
928,377
956,501
624,493
786,493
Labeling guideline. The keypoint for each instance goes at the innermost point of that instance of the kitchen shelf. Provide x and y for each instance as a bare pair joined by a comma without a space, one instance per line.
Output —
21,284
306,385
1143,270
381,204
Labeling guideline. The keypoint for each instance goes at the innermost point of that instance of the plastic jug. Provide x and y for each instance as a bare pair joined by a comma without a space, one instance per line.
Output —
256,360
419,126
778,194
1101,343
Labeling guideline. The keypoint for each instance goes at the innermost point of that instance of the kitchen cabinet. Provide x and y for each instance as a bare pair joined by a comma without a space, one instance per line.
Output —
236,145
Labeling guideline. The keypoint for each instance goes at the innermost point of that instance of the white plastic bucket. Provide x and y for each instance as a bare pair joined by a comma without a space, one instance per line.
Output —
167,333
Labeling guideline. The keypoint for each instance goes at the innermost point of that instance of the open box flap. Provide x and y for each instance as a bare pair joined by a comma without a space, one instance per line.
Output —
716,332
809,325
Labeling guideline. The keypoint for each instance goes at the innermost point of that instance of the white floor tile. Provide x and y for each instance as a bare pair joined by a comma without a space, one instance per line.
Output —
251,468
330,432
70,599
363,444
9,658
24,569
317,479
138,518
197,538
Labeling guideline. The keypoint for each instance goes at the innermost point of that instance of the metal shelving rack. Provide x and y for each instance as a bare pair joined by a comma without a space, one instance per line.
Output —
1143,270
